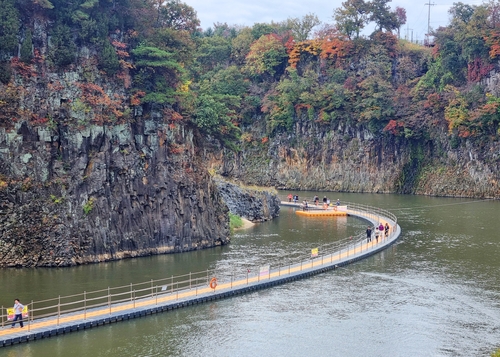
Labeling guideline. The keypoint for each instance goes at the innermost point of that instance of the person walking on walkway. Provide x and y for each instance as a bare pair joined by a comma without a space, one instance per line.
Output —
368,234
381,231
386,229
18,312
289,197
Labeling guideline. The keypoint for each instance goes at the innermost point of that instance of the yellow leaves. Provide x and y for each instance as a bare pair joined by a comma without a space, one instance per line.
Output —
312,47
184,87
456,112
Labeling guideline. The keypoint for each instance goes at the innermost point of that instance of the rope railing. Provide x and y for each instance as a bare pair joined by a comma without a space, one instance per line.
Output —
156,288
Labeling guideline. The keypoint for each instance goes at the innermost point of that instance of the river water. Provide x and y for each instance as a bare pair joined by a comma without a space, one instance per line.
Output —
436,292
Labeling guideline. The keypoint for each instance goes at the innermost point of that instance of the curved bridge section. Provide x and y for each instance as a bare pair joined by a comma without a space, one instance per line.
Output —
87,310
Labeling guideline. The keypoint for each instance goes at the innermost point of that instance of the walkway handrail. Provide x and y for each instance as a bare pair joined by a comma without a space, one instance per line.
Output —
83,302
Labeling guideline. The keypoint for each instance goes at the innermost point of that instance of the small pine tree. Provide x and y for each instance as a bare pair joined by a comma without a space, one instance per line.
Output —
108,60
63,47
27,48
9,26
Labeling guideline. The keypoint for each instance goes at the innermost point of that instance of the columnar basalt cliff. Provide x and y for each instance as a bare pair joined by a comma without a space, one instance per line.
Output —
107,192
351,159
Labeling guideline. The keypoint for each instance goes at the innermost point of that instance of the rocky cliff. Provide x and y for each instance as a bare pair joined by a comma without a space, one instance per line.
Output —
106,192
256,205
352,159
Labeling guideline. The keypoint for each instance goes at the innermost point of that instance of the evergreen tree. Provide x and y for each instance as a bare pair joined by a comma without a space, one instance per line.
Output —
9,27
63,48
108,60
27,48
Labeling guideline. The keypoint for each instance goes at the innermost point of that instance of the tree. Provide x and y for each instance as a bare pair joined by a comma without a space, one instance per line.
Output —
216,115
352,17
46,4
27,47
108,59
461,13
9,26
240,46
261,29
214,52
229,81
382,16
400,18
265,56
301,28
177,15
158,73
63,48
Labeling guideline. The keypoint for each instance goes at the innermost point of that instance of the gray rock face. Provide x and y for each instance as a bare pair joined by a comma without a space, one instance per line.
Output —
254,205
351,159
72,197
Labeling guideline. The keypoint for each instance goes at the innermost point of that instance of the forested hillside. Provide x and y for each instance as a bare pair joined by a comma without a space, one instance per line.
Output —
115,114
225,77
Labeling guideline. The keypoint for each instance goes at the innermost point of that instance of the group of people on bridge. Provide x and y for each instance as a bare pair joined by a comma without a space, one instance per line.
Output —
380,232
305,204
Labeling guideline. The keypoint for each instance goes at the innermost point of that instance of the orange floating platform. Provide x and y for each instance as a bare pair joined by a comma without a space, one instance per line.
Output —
321,213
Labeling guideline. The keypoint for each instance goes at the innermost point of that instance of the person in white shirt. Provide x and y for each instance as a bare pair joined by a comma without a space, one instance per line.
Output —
18,311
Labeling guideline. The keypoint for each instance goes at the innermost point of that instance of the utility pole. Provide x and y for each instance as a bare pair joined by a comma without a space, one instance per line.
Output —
408,29
428,23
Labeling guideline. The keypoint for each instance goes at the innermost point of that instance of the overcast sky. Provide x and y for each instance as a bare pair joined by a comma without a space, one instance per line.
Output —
248,12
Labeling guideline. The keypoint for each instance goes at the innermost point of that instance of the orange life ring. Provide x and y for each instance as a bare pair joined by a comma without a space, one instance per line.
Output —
213,283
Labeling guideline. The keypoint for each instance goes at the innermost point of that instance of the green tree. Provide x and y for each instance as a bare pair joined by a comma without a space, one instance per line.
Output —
27,47
381,14
108,59
9,27
63,48
176,15
215,115
261,29
214,52
352,17
240,46
158,73
265,56
229,81
301,28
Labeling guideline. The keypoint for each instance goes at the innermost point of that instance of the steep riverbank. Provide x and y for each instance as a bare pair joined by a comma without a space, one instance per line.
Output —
350,159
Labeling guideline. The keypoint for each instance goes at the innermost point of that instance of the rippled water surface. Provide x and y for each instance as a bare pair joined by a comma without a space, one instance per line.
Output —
435,293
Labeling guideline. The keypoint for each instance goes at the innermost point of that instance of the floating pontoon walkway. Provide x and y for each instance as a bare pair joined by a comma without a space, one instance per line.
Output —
161,300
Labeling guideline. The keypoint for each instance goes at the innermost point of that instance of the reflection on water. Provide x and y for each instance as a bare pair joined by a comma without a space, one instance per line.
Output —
435,293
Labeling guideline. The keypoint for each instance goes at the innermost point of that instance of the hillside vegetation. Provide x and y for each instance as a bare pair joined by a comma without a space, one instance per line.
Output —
134,56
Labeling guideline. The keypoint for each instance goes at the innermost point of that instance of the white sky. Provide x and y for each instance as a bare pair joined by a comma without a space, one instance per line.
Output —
248,12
